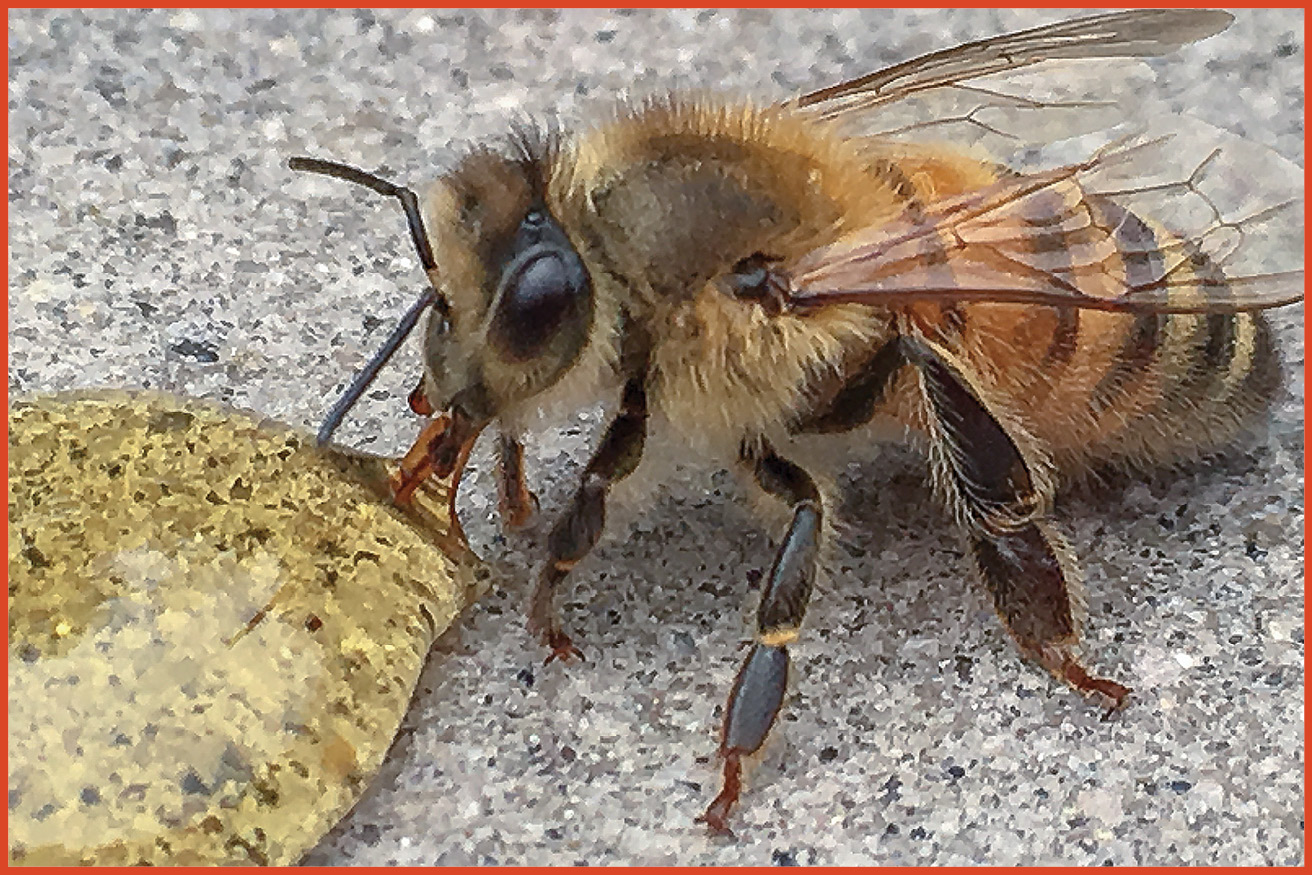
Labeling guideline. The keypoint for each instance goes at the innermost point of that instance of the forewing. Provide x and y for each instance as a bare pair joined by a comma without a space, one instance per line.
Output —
1137,33
1009,93
1198,220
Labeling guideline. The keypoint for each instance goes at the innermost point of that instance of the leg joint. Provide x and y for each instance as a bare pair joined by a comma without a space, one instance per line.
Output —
783,479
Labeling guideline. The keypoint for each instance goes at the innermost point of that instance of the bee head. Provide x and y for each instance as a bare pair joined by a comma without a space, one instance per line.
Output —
516,297
511,303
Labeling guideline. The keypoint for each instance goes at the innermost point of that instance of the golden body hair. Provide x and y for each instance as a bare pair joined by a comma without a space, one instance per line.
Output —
646,192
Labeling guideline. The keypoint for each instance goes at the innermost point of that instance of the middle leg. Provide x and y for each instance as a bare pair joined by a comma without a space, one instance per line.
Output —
758,691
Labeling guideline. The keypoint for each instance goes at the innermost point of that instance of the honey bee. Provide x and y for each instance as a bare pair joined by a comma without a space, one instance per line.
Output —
754,280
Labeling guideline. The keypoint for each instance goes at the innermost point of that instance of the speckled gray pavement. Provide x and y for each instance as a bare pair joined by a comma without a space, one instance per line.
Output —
157,239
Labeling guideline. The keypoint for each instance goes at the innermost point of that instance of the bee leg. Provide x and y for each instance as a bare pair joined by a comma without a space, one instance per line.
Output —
517,501
1020,558
579,529
420,461
1024,572
758,691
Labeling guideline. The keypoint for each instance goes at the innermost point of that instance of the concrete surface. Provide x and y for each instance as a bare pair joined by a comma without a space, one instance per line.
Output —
157,239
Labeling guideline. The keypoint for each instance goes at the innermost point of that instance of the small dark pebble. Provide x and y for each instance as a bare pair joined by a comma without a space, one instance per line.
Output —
1180,786
201,352
783,858
829,754
163,222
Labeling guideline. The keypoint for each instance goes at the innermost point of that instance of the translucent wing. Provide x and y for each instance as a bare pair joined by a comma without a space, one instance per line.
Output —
1009,92
1137,33
1137,226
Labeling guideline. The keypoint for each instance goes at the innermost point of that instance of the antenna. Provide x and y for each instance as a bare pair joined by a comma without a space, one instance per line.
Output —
410,203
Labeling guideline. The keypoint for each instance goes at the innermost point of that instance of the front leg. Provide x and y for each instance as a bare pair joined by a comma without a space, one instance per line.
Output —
758,691
579,529
997,495
517,502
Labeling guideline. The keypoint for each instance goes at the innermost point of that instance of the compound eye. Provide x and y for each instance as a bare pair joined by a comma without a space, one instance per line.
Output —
543,291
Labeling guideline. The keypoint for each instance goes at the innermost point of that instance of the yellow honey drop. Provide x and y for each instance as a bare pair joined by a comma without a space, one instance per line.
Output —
214,630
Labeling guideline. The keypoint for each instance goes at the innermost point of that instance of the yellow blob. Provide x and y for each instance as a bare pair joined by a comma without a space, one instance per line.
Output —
214,631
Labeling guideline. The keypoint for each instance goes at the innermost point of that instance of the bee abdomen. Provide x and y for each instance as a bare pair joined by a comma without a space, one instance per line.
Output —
1179,384
1143,388
1217,385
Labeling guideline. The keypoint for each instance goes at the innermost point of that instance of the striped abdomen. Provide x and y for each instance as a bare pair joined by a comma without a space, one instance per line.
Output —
1087,384
1093,385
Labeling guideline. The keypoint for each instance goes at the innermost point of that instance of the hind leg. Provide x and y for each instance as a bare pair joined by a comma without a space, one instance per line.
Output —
997,496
